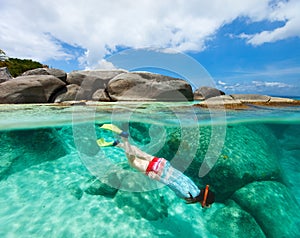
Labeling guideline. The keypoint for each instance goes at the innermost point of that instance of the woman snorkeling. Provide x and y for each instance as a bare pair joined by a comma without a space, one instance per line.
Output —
160,169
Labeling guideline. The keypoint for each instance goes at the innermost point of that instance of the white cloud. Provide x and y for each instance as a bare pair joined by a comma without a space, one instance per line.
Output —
221,83
104,64
32,28
257,86
233,87
271,84
287,11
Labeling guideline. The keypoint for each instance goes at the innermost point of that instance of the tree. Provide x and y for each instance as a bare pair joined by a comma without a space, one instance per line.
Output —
3,56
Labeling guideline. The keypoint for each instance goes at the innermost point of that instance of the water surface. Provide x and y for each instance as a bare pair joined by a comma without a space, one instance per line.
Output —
56,182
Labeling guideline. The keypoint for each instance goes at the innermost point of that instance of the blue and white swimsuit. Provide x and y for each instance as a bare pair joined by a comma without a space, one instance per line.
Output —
182,185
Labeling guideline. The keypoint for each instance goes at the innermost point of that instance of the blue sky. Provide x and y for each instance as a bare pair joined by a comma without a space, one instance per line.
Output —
249,46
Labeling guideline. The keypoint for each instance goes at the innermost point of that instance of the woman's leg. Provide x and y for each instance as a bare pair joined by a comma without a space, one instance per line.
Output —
136,158
133,151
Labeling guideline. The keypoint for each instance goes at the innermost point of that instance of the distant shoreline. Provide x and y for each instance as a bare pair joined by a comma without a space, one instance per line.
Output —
291,97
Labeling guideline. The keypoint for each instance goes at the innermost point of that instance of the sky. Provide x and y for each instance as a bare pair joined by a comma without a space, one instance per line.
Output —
242,46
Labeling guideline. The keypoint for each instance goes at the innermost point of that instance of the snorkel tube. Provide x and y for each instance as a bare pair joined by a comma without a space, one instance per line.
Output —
203,204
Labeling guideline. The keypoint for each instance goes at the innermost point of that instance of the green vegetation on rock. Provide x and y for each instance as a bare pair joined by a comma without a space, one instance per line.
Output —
18,66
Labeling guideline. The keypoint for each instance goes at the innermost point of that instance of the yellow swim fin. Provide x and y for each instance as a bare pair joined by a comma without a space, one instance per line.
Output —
101,142
112,128
115,129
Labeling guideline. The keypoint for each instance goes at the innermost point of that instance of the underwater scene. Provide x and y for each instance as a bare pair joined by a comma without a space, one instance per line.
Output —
56,181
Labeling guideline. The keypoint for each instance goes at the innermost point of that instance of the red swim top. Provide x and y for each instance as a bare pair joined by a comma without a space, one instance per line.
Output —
153,165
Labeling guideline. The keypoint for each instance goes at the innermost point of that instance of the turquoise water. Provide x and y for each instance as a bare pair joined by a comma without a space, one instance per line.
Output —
56,182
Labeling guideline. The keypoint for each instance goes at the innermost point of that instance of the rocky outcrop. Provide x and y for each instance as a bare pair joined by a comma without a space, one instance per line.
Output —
101,95
244,101
30,89
251,98
273,207
277,101
222,102
143,86
263,100
203,93
97,78
120,85
90,81
47,71
30,147
4,74
69,93
290,154
232,221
